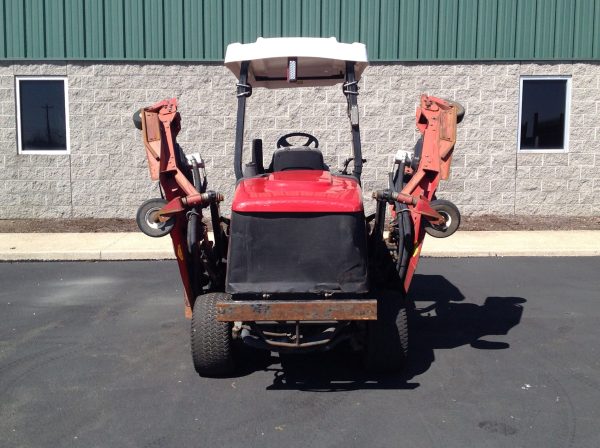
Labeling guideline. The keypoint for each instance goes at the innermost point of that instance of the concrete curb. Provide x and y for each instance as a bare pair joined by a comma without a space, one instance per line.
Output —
83,246
571,243
136,246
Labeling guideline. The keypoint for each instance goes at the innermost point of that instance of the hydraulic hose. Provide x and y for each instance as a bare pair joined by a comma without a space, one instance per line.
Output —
192,230
192,233
404,225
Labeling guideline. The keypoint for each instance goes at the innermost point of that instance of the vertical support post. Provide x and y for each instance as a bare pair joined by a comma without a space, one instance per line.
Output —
351,92
257,155
243,90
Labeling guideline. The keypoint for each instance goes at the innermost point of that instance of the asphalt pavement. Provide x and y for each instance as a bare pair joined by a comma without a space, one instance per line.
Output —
504,354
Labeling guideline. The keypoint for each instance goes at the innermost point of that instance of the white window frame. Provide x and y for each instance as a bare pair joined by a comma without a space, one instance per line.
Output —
64,79
565,147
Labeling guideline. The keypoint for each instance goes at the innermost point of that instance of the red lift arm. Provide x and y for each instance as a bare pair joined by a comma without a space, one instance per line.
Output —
436,119
160,125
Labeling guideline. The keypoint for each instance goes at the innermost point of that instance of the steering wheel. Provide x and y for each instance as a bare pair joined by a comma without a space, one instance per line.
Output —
283,140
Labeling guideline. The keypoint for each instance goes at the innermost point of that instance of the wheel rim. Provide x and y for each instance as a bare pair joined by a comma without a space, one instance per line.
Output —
151,221
448,219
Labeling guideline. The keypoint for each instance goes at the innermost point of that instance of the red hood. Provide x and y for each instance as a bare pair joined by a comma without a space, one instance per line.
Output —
298,191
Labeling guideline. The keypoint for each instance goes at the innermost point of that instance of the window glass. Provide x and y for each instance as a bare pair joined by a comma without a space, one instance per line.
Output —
543,111
42,115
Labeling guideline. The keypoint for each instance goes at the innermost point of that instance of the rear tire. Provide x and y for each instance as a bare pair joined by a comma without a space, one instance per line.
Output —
387,337
211,340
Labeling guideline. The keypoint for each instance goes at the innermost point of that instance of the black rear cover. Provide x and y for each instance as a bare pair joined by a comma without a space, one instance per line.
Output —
297,253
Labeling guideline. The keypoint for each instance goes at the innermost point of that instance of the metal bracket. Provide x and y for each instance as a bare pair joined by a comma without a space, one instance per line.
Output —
403,155
247,92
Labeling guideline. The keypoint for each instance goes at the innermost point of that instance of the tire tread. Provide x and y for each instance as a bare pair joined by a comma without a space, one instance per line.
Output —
211,341
387,337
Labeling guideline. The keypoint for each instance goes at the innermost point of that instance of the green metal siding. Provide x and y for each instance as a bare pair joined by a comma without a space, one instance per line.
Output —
34,23
14,28
487,19
54,29
74,28
427,41
448,28
506,29
407,23
394,30
193,48
466,46
583,32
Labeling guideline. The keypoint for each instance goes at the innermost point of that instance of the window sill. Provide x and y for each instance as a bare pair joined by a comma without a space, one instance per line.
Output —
42,152
542,151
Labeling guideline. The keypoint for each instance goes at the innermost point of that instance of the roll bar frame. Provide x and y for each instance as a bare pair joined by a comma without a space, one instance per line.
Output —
350,90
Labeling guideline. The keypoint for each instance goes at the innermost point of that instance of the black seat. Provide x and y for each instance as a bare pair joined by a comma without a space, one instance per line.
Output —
297,158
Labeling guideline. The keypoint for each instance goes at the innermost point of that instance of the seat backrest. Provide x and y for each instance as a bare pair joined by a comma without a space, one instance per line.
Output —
297,158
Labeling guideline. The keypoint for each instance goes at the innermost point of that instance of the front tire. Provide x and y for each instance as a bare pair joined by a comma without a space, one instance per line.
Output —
211,340
387,337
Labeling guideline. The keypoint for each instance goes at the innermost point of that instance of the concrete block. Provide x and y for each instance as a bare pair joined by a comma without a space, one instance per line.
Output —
473,68
558,159
502,185
580,185
581,159
7,95
477,185
484,160
6,68
40,68
527,185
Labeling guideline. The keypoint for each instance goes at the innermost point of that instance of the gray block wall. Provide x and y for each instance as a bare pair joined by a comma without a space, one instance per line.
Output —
106,174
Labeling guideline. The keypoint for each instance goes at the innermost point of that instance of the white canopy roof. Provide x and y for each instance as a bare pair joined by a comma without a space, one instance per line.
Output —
317,57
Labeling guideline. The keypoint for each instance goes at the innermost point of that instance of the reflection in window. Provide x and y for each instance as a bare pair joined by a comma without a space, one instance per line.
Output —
543,114
42,115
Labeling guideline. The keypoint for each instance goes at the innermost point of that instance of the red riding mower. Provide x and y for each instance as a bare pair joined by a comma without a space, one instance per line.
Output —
298,266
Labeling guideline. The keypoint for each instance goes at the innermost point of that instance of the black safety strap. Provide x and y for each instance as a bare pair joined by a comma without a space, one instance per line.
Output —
244,90
350,88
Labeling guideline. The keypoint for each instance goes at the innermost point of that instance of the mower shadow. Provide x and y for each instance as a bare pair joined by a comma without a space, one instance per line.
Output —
443,323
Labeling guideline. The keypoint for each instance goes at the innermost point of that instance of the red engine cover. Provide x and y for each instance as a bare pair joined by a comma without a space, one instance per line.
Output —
298,191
